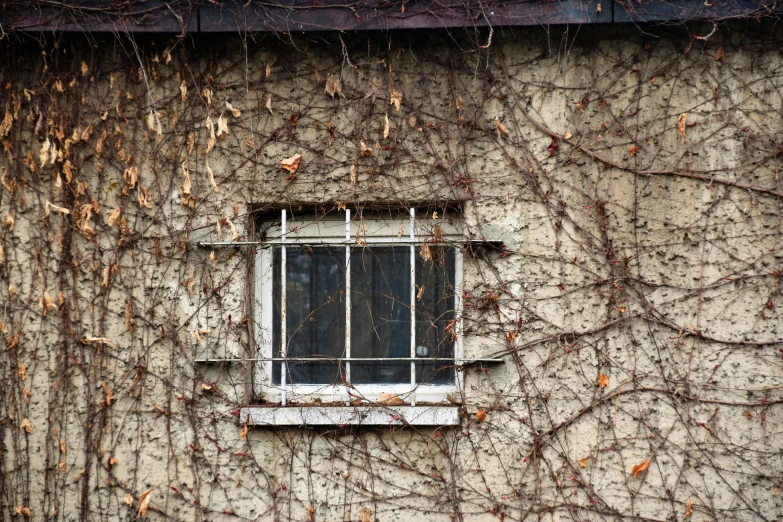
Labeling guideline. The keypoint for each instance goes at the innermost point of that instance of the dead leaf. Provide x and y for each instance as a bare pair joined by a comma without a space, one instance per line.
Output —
395,98
481,415
269,104
183,89
144,503
207,387
500,128
24,511
222,127
21,370
268,70
353,174
46,303
425,253
365,150
61,210
9,220
603,380
386,127
720,53
632,150
334,85
584,462
291,164
389,399
511,336
243,432
212,183
640,467
366,515
26,426
234,111
689,502
681,126
420,293
568,135
129,499
109,394
99,340
310,514
113,461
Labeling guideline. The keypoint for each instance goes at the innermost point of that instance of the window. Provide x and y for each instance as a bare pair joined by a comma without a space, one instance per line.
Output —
350,306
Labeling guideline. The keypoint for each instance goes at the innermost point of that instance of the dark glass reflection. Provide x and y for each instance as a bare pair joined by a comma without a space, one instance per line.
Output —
380,313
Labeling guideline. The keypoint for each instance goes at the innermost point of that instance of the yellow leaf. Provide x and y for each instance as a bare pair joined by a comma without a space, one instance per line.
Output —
243,432
481,415
603,380
640,467
291,164
144,503
584,462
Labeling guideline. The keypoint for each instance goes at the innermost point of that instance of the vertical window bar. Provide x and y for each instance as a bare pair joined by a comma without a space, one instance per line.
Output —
413,307
347,306
283,343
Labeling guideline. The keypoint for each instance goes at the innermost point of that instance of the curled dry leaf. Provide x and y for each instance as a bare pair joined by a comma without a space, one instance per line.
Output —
291,164
183,90
25,426
364,149
386,127
243,432
144,503
366,515
638,468
395,98
129,499
21,370
99,340
481,415
109,395
333,85
114,216
54,207
269,104
9,220
584,462
603,380
720,53
389,399
353,174
212,183
24,511
500,128
425,253
234,111
310,514
681,125
222,127
46,303
689,502
633,150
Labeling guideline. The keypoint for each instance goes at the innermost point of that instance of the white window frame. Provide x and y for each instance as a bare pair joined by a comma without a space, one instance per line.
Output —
353,233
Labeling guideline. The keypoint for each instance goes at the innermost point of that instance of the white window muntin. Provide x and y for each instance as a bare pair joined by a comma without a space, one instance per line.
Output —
352,233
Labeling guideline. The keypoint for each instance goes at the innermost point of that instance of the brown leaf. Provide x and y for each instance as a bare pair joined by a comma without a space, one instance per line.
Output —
720,53
640,467
603,380
113,461
395,98
234,111
109,395
386,127
365,150
334,85
681,125
632,150
24,511
26,426
511,336
21,370
291,164
689,502
481,415
366,515
144,503
310,514
243,432
500,128
584,462
129,499
389,399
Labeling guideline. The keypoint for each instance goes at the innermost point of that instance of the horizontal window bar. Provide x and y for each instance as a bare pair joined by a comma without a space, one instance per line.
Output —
369,241
354,359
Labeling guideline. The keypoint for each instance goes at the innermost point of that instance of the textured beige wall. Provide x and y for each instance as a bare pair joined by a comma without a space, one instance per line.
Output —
659,268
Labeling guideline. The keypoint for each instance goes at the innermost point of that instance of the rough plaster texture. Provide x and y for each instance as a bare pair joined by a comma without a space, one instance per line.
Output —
658,268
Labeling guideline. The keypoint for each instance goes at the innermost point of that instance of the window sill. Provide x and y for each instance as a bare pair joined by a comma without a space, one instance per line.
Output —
350,415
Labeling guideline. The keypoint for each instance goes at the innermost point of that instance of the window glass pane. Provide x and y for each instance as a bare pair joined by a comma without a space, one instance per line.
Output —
380,313
435,334
315,313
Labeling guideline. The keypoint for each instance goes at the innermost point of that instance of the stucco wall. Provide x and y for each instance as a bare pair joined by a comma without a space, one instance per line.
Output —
641,245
